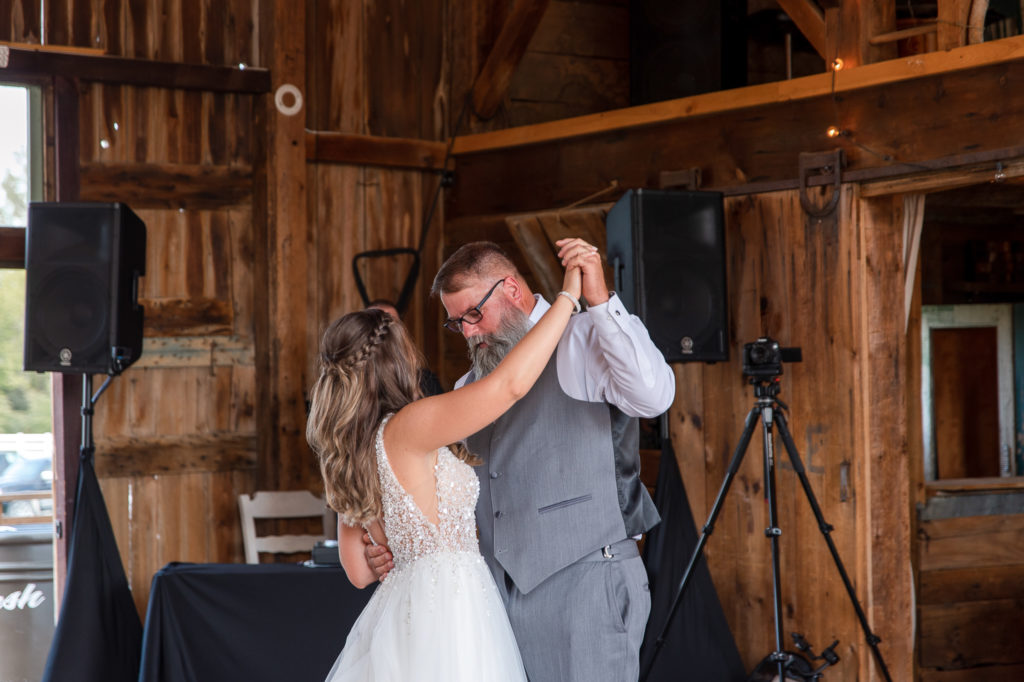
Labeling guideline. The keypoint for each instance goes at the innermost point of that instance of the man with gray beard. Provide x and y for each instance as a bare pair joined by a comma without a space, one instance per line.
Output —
561,503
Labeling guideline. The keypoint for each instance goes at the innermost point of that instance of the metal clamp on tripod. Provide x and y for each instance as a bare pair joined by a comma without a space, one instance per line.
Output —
762,367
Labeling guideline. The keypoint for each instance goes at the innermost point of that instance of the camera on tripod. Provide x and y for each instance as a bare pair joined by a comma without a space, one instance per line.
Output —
762,359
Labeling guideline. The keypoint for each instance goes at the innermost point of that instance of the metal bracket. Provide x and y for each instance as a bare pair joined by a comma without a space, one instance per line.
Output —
825,163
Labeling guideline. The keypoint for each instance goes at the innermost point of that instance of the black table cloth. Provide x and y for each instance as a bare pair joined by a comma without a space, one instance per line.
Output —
247,622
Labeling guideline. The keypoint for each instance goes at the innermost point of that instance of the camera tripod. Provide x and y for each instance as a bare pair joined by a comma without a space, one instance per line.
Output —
766,409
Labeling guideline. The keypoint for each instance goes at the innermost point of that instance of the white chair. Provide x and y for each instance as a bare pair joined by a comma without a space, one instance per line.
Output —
287,504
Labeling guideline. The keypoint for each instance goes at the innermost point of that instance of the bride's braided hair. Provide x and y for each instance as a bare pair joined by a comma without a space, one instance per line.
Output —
368,369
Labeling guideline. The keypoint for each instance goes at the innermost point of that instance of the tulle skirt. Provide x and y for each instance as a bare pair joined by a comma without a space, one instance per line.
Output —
439,618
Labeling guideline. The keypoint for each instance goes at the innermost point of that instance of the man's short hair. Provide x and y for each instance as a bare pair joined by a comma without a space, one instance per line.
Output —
472,262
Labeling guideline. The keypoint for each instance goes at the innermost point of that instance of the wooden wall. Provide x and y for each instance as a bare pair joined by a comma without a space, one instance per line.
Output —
249,246
970,597
576,63
814,284
176,435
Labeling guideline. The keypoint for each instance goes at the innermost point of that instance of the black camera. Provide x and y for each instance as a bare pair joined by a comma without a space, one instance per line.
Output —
763,358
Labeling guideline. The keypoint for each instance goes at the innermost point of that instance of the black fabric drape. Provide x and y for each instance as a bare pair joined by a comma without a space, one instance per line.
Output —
698,644
99,634
250,622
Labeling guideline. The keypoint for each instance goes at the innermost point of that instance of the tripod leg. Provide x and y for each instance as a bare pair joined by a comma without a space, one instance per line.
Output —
826,529
773,532
709,527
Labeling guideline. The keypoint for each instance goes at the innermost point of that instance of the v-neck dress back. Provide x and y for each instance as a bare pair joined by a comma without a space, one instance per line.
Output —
437,615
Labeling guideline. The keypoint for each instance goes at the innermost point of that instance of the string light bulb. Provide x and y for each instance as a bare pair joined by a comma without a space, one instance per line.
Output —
834,131
838,64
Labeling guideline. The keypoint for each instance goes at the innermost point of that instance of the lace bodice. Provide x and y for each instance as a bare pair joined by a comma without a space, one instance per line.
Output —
410,534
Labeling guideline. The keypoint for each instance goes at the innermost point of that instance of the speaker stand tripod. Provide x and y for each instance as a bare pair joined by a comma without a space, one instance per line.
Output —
766,409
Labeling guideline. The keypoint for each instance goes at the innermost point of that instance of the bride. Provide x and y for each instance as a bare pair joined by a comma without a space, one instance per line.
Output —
393,465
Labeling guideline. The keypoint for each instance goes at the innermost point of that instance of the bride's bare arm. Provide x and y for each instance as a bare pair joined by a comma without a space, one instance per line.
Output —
354,559
427,424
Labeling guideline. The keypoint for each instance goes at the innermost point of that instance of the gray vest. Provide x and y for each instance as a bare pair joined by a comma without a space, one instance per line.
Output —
560,479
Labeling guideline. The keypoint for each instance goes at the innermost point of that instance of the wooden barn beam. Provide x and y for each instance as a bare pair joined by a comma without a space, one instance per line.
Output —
492,83
967,92
809,18
125,456
285,462
12,247
849,28
173,186
877,74
88,66
371,150
953,16
66,389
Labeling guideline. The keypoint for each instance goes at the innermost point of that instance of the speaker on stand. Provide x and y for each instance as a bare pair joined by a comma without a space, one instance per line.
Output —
83,262
667,251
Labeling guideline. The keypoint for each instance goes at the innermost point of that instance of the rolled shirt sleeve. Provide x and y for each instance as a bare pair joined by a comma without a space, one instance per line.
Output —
607,355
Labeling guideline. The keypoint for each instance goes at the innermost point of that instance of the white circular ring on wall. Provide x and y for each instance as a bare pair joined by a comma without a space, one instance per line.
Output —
288,109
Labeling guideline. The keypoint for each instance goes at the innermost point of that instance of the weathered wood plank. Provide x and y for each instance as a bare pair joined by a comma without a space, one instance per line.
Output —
491,84
583,29
972,634
12,247
368,150
583,84
885,583
402,65
142,72
120,456
973,541
535,247
200,351
285,460
990,673
878,75
187,317
540,176
977,583
166,185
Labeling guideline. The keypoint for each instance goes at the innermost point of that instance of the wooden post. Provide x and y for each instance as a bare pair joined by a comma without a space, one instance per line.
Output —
885,499
850,27
285,460
66,388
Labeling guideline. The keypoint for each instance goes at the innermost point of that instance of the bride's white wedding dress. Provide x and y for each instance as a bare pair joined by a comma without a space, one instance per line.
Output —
437,615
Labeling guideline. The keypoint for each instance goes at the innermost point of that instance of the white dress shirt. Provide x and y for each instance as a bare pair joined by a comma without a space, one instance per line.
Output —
606,355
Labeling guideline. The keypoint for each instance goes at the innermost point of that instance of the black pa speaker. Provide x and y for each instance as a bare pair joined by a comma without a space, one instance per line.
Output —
83,262
667,250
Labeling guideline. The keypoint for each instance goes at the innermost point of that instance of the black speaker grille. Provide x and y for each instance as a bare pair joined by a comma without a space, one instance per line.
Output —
669,252
82,265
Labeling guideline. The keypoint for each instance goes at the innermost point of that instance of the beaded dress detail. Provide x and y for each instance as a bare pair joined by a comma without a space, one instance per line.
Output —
438,615
410,534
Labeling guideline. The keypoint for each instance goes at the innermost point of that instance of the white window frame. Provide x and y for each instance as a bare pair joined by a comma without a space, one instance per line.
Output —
998,315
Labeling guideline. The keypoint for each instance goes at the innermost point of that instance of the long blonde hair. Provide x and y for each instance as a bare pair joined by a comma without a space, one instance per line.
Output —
368,369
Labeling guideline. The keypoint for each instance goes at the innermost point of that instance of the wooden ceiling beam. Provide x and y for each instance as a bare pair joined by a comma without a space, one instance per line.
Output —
809,18
726,101
492,83
371,150
88,66
756,148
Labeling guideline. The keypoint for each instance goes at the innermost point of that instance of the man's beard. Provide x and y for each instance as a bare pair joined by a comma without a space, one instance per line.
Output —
511,330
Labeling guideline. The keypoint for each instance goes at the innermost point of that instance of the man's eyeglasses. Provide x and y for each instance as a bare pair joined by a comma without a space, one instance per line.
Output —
471,316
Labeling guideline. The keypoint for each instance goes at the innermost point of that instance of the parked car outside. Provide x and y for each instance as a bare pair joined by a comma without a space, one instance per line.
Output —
28,474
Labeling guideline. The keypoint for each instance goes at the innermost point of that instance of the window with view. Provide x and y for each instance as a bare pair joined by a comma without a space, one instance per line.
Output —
26,443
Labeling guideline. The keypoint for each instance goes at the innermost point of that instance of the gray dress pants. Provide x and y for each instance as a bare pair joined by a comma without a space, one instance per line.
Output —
586,622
